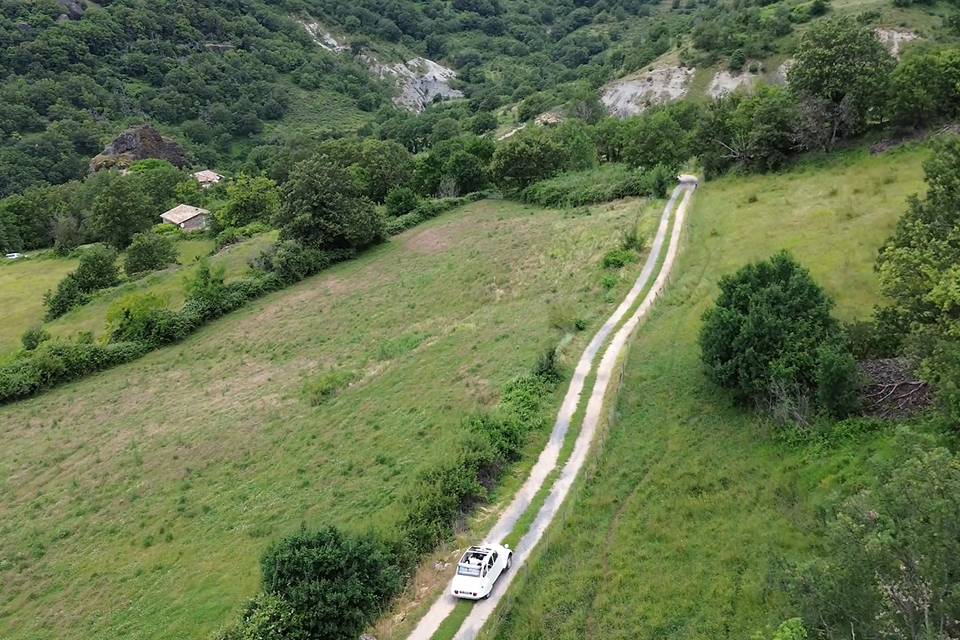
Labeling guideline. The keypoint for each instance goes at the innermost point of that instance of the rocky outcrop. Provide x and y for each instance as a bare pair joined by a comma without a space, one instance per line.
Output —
72,9
894,39
633,95
419,81
783,72
726,82
138,143
323,37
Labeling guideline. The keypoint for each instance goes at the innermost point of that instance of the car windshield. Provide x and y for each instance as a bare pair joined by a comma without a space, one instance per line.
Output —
468,571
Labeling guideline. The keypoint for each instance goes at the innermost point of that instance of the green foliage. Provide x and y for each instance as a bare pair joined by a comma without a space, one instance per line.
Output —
55,361
842,64
892,558
401,200
333,582
322,207
207,286
97,270
837,380
663,136
325,387
601,184
454,166
449,487
619,258
148,252
426,210
765,330
120,211
33,337
266,617
249,199
133,317
66,296
530,156
791,629
918,270
924,87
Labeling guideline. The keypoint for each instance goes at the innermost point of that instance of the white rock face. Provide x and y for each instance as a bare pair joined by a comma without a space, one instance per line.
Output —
322,37
630,96
783,71
894,39
419,81
725,83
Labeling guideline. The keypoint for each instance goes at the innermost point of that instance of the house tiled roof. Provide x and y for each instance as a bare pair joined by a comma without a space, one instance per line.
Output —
182,213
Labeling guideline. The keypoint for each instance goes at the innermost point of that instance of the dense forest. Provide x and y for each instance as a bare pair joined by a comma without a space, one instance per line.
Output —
216,72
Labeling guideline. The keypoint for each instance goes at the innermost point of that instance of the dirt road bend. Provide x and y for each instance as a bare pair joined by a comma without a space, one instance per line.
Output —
550,455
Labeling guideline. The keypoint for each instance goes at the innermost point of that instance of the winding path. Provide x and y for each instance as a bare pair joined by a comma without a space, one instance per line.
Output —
550,455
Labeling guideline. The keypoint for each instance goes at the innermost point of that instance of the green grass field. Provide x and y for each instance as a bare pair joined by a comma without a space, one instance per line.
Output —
22,285
691,501
135,503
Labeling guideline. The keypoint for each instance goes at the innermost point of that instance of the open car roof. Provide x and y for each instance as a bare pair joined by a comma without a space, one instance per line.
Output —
474,554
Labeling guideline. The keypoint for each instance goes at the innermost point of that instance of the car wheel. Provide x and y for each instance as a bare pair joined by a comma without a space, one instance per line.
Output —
487,594
509,561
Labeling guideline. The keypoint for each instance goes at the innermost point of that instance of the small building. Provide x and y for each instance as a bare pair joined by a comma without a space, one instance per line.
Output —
187,217
207,178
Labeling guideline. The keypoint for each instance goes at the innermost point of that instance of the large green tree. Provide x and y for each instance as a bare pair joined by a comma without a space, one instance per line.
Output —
250,199
322,207
120,211
842,67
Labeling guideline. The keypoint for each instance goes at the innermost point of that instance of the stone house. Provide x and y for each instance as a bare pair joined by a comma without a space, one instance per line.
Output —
187,217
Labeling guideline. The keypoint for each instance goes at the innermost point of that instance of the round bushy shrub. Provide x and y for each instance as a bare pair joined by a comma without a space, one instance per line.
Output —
401,200
335,583
766,328
149,252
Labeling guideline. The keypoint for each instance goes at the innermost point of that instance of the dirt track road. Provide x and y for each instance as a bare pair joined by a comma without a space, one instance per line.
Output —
550,455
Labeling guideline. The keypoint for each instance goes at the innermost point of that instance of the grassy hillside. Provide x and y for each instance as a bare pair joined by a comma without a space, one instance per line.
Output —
136,503
22,300
691,502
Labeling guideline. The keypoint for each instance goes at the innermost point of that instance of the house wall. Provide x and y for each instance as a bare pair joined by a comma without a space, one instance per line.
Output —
197,223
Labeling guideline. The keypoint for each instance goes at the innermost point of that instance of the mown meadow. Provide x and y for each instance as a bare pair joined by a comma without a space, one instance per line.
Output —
692,503
137,502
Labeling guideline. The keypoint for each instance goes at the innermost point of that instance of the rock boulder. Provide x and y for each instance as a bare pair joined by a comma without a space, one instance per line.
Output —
138,143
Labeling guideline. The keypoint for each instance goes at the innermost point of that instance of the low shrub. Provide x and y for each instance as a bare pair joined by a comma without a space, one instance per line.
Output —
265,617
443,493
325,387
97,270
602,184
401,200
230,235
619,258
424,211
32,338
148,252
838,380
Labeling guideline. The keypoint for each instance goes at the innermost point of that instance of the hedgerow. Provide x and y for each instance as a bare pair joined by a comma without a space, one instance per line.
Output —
603,184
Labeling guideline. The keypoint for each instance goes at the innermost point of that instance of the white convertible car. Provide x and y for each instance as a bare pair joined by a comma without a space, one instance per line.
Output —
479,569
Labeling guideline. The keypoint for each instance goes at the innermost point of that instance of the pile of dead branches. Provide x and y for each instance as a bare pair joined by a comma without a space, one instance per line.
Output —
892,390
